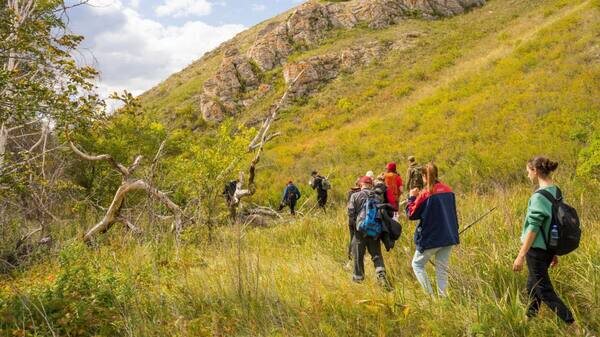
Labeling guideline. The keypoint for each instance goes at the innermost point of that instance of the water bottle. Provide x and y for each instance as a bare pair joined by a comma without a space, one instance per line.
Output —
554,236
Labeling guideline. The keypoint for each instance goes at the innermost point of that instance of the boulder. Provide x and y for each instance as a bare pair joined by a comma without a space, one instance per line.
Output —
210,108
271,47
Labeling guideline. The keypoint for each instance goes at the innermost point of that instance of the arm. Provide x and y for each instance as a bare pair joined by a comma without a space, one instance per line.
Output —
520,260
414,206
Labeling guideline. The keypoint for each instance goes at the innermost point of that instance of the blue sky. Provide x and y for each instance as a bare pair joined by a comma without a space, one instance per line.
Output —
138,43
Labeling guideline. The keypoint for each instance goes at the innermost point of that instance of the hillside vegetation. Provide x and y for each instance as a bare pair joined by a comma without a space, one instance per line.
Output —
478,93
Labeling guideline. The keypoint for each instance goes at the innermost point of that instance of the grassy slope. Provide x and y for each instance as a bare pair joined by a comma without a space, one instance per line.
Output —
473,95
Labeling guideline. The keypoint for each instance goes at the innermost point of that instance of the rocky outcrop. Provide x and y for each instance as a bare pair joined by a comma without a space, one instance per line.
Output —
320,69
304,28
310,22
222,92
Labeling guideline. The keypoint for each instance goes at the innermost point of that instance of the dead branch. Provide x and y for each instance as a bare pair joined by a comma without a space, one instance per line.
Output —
117,166
257,144
112,214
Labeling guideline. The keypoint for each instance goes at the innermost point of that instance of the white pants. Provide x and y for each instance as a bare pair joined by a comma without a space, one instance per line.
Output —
442,258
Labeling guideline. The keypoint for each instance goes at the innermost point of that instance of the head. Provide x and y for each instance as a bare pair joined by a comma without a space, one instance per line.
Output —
365,182
314,173
411,159
430,176
370,174
290,182
540,167
391,167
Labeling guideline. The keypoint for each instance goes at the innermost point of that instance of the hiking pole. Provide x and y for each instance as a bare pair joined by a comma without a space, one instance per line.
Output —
471,225
477,220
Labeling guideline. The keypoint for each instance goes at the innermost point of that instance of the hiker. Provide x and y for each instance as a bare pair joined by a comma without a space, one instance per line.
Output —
362,215
320,184
437,231
393,183
414,178
291,194
381,189
229,192
534,249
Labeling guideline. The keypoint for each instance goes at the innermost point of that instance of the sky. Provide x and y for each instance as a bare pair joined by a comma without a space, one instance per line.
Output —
135,44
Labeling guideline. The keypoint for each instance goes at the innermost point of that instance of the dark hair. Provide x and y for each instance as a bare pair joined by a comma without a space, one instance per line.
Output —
543,165
431,172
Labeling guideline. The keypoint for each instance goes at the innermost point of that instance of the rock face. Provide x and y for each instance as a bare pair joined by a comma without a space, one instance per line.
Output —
309,23
222,92
303,29
319,69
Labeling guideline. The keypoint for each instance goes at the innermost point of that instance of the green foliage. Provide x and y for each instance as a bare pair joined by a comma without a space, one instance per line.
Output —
589,158
205,164
39,78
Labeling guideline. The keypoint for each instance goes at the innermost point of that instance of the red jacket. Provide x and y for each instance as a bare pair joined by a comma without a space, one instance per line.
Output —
393,182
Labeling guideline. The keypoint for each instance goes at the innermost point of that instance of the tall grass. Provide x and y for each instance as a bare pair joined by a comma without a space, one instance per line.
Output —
289,279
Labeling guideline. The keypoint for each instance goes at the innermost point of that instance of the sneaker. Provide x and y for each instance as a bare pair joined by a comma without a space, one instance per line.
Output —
383,282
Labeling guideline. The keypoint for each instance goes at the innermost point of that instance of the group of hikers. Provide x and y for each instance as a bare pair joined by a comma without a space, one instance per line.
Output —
551,227
291,193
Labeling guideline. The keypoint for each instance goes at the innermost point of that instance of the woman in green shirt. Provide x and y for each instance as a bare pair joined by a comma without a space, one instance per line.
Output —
533,249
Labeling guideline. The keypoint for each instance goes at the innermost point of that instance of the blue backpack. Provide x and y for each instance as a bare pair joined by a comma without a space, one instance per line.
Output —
372,225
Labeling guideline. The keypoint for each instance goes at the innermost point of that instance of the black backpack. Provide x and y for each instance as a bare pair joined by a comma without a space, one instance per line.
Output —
564,234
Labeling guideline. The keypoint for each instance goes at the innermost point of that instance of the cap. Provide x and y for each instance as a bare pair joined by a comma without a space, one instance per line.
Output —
411,158
370,174
365,180
391,167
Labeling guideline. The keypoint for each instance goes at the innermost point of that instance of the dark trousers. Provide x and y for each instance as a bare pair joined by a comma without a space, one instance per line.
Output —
290,202
351,230
360,243
540,288
321,198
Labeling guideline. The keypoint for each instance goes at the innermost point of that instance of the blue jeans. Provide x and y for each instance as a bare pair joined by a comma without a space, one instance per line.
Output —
442,259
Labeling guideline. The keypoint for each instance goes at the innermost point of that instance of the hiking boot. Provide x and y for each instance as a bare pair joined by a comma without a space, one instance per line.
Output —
357,279
383,282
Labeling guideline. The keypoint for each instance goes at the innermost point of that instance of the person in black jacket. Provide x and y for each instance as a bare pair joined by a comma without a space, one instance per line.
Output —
291,194
317,184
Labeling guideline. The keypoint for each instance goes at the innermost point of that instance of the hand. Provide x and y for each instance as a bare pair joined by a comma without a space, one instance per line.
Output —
554,261
518,264
414,192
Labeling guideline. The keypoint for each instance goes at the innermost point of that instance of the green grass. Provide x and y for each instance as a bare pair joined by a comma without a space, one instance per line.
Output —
479,93
289,280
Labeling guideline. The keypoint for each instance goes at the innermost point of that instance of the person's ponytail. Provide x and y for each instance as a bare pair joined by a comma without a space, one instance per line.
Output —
543,165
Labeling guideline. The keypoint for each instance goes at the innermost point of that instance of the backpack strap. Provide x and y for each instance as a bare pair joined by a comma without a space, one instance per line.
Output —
554,202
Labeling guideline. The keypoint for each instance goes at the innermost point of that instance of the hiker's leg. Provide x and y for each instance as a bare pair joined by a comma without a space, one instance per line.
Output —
442,263
293,206
358,252
374,247
418,263
281,206
532,281
351,230
544,289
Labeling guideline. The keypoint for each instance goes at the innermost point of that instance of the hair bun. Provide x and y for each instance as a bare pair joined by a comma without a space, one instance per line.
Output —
551,165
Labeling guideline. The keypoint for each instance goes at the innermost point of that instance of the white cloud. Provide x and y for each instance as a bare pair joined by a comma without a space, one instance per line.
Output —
181,8
135,53
258,7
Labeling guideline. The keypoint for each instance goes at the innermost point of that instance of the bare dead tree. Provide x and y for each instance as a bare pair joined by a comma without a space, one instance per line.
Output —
257,144
128,184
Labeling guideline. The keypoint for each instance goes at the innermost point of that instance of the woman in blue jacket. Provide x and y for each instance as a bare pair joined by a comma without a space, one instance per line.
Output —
437,231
